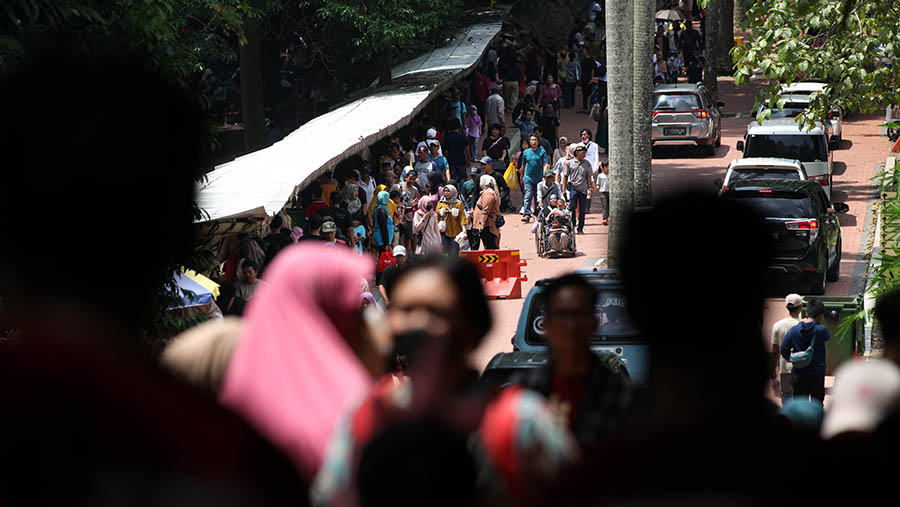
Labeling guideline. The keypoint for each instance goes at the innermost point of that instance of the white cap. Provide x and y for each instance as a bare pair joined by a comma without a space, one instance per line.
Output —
861,396
430,133
399,250
794,300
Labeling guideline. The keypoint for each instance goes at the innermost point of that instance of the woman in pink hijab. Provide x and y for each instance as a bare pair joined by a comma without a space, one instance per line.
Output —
305,355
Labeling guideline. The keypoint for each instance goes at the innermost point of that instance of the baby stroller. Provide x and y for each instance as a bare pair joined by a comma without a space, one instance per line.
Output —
542,237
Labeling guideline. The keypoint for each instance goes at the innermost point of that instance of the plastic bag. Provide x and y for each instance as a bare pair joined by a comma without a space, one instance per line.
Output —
511,177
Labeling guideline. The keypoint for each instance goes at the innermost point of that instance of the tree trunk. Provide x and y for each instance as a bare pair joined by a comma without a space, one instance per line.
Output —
619,45
726,35
711,50
383,59
740,13
643,98
252,89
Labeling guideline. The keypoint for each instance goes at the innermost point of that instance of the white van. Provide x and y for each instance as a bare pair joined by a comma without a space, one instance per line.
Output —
784,138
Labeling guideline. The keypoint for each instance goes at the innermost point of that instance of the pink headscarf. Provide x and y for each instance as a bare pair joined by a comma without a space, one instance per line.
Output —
425,200
292,374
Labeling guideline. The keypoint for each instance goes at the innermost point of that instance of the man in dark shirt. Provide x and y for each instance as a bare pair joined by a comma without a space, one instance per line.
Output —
810,379
455,146
582,387
390,274
588,67
315,229
510,74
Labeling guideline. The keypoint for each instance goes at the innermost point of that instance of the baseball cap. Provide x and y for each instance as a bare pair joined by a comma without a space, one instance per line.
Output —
475,170
485,160
329,226
430,134
861,396
399,250
794,300
581,147
548,173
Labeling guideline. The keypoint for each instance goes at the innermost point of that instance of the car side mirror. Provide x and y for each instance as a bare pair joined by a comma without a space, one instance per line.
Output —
718,182
720,104
840,207
740,145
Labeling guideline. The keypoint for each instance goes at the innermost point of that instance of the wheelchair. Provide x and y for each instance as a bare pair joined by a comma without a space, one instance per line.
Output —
542,237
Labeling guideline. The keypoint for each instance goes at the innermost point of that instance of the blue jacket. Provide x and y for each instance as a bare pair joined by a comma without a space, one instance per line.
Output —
798,339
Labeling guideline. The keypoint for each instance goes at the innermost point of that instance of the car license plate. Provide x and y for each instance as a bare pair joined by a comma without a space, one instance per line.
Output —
674,131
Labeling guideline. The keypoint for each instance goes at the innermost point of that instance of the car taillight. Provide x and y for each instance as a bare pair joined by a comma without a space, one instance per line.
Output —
700,114
821,180
830,115
811,226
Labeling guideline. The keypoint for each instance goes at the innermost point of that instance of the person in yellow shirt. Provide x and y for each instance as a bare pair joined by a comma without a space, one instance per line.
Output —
452,215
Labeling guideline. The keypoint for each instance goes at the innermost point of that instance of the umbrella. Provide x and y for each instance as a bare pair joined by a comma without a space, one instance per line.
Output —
669,15
200,294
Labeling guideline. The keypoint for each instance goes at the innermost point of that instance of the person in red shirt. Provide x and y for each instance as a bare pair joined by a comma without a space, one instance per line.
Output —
316,204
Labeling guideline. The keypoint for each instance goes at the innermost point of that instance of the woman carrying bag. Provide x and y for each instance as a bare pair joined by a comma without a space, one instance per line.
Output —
487,212
452,216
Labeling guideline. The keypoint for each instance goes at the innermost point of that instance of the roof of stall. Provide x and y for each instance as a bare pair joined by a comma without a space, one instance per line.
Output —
259,184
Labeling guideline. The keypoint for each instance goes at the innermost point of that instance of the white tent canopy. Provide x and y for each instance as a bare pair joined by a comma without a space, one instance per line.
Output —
259,184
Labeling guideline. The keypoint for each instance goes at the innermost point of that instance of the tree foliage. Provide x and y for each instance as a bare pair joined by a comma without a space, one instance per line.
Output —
854,45
395,25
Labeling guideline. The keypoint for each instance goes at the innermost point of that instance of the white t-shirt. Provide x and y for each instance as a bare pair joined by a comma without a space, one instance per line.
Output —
368,189
602,181
779,329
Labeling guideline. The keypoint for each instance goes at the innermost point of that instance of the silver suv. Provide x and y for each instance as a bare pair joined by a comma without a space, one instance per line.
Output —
685,115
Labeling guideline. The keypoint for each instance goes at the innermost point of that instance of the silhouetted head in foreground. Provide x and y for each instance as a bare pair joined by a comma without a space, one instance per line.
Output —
693,268
100,157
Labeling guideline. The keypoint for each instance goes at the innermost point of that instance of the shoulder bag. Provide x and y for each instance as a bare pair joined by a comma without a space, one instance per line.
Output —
802,358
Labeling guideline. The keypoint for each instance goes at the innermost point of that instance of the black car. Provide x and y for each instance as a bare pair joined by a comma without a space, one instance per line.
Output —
805,232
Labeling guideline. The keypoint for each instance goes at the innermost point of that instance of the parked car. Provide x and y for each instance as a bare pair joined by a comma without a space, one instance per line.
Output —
784,138
805,232
616,338
685,115
761,167
800,94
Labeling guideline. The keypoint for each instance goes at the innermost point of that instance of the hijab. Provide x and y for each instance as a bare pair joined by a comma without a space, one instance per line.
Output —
425,200
292,374
367,296
487,182
382,200
454,194
349,194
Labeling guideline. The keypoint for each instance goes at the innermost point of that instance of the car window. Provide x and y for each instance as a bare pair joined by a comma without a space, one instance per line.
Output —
790,110
614,325
805,148
780,205
676,101
748,173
